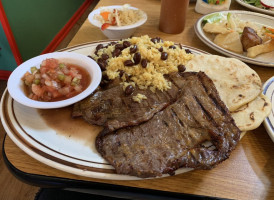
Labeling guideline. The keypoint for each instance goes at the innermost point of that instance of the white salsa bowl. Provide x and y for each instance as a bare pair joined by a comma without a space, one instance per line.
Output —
16,85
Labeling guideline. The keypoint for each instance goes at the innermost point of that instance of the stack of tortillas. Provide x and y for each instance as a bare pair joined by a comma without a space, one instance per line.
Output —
239,86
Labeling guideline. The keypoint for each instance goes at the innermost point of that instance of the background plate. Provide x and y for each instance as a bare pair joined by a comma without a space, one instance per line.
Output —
55,139
266,59
269,121
254,8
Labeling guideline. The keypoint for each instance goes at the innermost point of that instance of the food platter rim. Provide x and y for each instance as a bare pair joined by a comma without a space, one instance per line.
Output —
74,47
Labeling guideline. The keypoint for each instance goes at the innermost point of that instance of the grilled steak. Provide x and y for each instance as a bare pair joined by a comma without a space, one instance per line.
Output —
175,137
113,109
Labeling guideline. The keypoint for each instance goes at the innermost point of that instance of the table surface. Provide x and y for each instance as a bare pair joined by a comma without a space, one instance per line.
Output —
247,174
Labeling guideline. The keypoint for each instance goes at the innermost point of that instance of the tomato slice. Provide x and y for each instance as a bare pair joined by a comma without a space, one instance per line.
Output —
268,3
105,26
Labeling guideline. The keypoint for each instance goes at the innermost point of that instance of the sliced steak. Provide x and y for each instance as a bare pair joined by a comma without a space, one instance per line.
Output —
79,108
114,109
174,137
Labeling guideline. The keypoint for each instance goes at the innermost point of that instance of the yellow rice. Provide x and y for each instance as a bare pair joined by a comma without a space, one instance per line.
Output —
152,76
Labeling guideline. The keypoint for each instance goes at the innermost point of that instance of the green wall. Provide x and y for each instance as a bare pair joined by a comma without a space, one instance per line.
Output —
7,61
34,23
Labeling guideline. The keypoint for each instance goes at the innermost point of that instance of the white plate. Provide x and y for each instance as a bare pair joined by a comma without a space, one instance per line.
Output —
251,7
269,121
266,59
57,140
16,86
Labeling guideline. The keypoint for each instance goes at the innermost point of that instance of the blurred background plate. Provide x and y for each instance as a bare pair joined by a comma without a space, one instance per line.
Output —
254,8
266,59
269,121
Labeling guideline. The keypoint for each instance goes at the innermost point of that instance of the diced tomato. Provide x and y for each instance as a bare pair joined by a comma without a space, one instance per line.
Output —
113,22
37,90
50,63
267,3
55,81
105,26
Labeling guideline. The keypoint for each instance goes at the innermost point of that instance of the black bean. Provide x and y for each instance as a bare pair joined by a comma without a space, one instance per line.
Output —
102,64
112,43
133,49
104,56
119,46
127,77
105,77
128,63
144,63
121,73
129,90
164,55
126,44
99,46
159,39
103,83
161,49
172,47
116,52
188,51
96,52
154,40
181,68
137,58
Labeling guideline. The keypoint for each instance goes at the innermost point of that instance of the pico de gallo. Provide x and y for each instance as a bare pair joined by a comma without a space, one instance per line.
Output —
55,81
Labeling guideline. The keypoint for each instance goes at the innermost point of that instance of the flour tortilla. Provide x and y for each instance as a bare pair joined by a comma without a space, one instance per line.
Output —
235,81
252,114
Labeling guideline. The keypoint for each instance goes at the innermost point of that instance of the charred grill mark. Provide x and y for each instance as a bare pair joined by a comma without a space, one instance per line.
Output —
207,114
179,120
205,88
167,95
159,96
224,111
149,103
188,110
212,97
174,83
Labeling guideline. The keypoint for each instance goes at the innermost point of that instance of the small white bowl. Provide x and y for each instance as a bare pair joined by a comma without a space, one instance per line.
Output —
117,32
16,86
